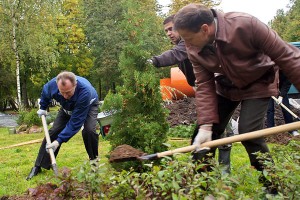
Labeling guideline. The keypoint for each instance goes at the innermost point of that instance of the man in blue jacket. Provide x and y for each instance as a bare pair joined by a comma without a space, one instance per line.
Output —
79,107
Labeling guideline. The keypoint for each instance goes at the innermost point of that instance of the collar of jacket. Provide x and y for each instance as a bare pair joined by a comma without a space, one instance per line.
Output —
220,25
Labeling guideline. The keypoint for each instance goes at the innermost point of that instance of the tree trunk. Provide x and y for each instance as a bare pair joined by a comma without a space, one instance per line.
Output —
25,101
13,104
16,52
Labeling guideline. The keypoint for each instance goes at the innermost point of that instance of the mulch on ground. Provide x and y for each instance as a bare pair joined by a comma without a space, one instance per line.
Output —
182,112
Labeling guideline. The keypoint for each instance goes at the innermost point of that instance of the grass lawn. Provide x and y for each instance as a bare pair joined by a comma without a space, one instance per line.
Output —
16,162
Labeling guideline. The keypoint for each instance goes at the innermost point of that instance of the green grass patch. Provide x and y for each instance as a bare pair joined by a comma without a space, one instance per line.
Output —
16,162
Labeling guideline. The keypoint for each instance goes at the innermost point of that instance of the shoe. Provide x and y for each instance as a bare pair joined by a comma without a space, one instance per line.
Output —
295,133
34,171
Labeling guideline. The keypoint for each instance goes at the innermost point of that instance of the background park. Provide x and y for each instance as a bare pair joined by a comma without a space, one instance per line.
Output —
108,42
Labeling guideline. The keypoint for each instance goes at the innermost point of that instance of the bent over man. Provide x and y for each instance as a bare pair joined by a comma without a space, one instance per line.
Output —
235,58
178,55
79,107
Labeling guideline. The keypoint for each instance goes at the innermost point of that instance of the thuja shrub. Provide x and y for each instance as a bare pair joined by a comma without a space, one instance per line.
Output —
140,120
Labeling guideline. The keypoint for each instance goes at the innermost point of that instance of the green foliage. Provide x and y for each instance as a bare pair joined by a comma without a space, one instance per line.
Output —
29,118
175,179
286,24
182,131
106,39
285,174
177,4
140,120
112,102
90,174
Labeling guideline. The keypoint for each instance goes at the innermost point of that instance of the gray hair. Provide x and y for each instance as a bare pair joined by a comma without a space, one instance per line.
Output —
65,75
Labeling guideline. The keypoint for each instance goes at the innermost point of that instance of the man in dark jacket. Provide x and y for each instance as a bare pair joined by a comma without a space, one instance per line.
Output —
178,55
175,56
246,54
79,107
284,86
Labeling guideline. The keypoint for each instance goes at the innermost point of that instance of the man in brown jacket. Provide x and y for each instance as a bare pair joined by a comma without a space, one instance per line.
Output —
178,55
245,53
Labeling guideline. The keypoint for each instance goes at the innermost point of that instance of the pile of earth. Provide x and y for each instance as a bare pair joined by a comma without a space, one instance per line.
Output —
182,112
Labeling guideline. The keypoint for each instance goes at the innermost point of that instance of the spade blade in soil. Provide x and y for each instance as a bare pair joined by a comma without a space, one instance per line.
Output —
124,153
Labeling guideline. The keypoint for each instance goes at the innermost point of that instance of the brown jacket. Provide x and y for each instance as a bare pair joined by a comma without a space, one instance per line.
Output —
241,64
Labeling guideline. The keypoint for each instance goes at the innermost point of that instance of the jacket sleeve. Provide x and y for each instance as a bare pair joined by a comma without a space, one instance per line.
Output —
285,56
47,94
77,119
206,96
171,57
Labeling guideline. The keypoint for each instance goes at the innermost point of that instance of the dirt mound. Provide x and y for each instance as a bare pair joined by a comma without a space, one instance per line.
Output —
182,112
124,153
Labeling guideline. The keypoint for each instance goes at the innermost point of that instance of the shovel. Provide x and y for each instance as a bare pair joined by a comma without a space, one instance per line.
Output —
286,108
51,152
214,143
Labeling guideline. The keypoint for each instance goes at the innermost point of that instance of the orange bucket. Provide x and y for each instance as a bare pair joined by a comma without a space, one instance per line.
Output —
165,85
179,82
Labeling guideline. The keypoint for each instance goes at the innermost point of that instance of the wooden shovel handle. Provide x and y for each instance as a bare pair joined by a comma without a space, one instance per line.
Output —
286,108
235,138
48,140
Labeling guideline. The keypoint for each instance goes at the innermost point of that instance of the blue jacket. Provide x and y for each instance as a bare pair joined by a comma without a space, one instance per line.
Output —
78,106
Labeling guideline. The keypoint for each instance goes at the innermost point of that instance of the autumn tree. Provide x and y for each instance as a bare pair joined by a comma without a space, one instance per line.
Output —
74,52
177,4
287,23
26,24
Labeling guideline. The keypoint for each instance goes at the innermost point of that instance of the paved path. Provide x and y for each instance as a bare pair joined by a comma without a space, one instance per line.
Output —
8,120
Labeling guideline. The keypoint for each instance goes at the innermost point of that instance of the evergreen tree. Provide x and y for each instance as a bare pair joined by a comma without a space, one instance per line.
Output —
140,120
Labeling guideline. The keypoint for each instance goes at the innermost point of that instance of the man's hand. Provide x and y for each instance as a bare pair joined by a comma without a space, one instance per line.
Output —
54,145
204,135
41,112
150,61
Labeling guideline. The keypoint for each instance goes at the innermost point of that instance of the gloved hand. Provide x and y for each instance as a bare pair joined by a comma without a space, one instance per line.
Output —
279,100
41,112
149,61
54,145
202,136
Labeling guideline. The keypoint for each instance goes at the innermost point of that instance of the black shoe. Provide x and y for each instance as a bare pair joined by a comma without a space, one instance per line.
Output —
34,171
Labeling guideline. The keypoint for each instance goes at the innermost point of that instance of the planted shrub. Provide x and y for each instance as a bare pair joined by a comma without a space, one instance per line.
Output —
29,118
285,174
140,120
182,131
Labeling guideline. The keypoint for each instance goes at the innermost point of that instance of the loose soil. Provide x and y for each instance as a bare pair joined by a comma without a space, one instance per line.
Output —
125,153
182,112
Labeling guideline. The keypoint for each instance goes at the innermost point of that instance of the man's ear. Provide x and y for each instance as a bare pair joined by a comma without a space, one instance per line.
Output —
204,28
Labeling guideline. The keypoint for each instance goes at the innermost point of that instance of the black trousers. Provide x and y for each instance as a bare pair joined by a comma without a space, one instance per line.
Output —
251,118
89,135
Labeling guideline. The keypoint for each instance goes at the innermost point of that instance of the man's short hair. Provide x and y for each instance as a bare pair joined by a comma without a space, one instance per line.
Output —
169,19
65,75
192,16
